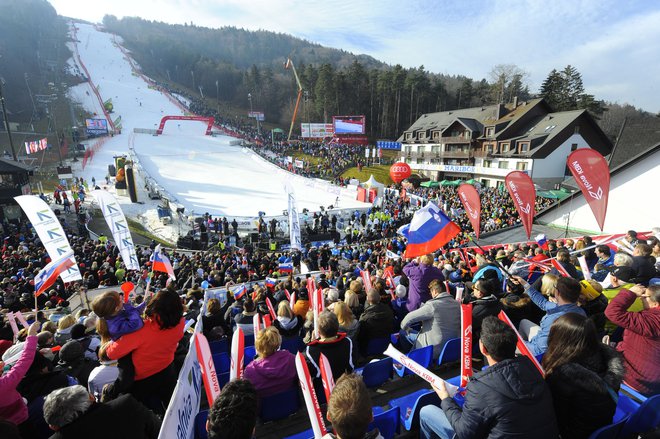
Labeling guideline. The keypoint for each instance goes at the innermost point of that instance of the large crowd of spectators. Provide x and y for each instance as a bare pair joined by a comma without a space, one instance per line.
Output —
71,370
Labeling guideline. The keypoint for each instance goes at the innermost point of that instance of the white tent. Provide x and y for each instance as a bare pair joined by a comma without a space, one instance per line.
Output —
373,184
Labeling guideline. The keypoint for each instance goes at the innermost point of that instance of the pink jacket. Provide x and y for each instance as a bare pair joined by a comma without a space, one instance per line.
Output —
12,406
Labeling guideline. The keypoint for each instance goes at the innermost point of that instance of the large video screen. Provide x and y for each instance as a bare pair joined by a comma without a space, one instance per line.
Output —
349,124
96,126
316,130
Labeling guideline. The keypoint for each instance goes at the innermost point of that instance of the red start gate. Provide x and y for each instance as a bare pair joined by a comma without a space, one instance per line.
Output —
209,120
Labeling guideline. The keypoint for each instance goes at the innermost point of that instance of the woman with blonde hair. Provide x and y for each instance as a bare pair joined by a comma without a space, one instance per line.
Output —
353,303
548,284
274,370
64,325
347,321
287,323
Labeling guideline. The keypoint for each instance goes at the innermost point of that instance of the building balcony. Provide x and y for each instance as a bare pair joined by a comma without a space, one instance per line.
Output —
441,155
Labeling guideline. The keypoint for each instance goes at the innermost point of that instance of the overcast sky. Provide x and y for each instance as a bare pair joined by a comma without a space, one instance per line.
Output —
614,44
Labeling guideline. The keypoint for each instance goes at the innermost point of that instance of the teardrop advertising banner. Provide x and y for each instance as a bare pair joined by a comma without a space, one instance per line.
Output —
592,175
522,191
472,205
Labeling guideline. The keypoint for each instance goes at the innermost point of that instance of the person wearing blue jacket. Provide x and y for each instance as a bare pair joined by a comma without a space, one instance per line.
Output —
563,300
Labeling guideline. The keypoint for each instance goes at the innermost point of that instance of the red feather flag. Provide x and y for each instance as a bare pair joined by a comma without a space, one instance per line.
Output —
592,175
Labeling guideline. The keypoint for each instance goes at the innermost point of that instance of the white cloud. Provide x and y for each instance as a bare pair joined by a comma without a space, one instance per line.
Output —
615,45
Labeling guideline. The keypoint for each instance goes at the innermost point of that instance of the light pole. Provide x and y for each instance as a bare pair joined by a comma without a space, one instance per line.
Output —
217,97
256,116
192,73
250,100
4,115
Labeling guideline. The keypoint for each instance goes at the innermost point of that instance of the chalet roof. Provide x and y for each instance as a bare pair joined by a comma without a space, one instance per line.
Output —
635,138
441,120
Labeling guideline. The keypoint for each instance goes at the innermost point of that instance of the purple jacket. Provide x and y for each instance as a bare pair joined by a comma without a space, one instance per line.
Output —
273,374
420,277
126,321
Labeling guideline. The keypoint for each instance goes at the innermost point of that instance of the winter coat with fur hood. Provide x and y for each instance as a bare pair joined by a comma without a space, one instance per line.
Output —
584,392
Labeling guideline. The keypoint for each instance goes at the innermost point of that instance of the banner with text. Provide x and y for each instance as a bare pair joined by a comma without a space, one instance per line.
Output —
590,170
36,146
50,232
523,193
117,223
316,130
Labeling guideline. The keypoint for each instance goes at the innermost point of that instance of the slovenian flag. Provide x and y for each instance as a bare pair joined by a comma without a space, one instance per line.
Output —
428,231
270,282
240,292
542,241
286,267
48,275
160,262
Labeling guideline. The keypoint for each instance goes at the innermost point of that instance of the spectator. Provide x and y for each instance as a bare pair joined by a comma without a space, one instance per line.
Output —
245,320
301,306
484,304
440,318
349,409
64,326
106,373
274,370
347,321
12,405
508,399
71,413
233,414
214,323
119,317
337,348
352,300
584,376
563,300
641,336
74,363
621,278
593,302
420,272
152,348
287,323
377,321
643,264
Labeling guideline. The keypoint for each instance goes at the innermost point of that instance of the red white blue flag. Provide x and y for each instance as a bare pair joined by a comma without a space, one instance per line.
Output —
48,275
542,241
160,262
240,292
286,267
428,231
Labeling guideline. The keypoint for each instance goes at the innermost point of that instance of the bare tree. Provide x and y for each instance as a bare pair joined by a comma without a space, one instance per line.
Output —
507,80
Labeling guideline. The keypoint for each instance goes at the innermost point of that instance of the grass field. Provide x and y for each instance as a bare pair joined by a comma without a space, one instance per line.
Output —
380,172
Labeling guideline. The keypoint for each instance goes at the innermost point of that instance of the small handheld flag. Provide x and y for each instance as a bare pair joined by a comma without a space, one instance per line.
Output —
48,275
160,262
428,231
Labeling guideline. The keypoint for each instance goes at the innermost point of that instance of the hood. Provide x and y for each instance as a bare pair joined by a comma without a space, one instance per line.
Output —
286,322
515,379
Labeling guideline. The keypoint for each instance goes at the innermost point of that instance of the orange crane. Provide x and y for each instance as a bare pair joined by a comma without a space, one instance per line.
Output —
287,65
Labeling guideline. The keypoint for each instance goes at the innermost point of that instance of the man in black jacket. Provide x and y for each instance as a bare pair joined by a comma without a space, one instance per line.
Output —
376,321
72,413
508,399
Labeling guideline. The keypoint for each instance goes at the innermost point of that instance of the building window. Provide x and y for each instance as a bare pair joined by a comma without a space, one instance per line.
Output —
409,136
408,149
521,166
435,149
574,146
420,161
490,131
503,164
550,128
489,148
488,163
505,147
524,147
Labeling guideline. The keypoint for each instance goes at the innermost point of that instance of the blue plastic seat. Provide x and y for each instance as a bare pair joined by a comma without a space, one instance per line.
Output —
248,340
636,396
410,405
611,431
248,355
222,362
387,423
219,346
200,425
376,346
645,419
307,434
292,344
422,356
378,372
280,406
223,378
451,351
625,407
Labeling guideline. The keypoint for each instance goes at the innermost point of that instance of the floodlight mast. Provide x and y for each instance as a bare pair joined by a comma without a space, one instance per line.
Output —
287,65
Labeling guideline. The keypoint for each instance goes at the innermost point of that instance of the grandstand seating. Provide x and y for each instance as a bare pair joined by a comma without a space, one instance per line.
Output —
387,423
293,344
280,405
646,418
222,362
376,346
200,424
451,351
376,373
611,431
249,354
219,346
422,356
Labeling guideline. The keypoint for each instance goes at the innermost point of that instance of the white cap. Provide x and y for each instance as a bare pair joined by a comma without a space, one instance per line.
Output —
400,291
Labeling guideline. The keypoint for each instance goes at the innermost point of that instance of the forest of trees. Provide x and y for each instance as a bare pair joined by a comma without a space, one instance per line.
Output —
32,56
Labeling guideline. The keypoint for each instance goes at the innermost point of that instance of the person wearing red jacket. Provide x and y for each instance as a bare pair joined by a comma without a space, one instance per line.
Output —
153,347
641,338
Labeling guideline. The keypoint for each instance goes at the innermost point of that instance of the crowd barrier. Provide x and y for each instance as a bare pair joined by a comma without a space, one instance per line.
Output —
88,156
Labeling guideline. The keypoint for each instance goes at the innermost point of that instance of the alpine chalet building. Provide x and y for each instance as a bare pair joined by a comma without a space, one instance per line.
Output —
486,143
